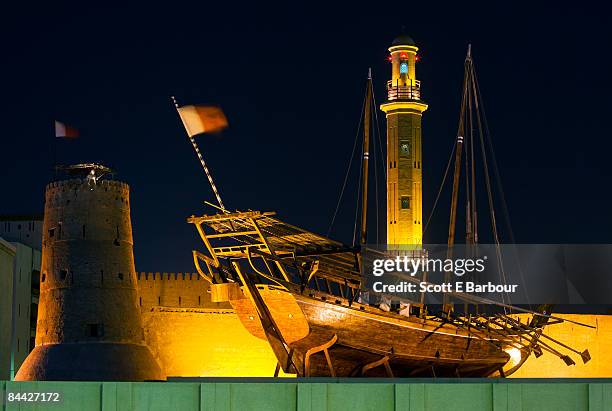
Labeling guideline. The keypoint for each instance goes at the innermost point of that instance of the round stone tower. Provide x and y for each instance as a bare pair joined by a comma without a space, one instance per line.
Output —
89,325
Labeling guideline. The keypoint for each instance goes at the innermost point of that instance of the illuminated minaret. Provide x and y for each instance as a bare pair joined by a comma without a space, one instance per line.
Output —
404,108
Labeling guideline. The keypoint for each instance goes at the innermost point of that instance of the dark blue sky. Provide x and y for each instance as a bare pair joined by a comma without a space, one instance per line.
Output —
290,79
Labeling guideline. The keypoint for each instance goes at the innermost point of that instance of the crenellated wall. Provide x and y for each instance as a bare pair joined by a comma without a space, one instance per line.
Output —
175,290
191,336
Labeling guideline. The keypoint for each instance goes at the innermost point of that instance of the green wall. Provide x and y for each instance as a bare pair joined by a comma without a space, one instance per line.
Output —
235,394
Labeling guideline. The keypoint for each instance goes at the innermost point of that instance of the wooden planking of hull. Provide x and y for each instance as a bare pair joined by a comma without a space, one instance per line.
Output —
328,337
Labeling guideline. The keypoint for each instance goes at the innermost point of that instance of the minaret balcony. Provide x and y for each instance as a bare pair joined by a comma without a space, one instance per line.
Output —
406,92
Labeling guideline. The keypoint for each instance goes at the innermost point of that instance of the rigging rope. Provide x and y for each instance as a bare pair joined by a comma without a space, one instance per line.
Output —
448,165
375,178
348,169
452,154
474,215
378,134
489,191
469,166
468,222
498,178
495,167
357,202
383,162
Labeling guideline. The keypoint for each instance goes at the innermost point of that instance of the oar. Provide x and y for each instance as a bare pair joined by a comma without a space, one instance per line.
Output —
584,354
566,358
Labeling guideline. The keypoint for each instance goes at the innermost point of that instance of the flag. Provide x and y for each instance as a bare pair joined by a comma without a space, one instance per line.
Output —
202,119
64,131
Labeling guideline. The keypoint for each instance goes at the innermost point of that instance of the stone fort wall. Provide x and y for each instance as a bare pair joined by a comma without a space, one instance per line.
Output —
191,336
179,290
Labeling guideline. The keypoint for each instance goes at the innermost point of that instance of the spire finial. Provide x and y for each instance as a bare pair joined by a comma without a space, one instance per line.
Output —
369,73
469,52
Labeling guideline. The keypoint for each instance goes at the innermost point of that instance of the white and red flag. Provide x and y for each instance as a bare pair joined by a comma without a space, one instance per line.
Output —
202,119
65,131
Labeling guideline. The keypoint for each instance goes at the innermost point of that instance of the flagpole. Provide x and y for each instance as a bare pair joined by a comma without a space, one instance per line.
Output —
54,166
200,157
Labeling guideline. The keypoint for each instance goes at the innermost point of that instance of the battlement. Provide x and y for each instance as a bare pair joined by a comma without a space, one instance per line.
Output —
77,183
178,290
61,193
157,276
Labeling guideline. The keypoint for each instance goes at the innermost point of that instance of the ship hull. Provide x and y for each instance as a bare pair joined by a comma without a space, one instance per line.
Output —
339,339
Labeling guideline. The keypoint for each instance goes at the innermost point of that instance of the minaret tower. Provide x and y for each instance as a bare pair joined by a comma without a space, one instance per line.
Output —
404,109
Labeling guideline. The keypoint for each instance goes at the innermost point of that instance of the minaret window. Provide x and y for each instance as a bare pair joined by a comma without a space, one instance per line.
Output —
405,202
405,148
404,68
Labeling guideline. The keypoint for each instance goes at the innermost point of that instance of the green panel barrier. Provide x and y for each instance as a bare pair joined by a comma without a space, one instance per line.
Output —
345,397
165,396
253,396
215,396
600,397
456,397
561,397
260,396
319,395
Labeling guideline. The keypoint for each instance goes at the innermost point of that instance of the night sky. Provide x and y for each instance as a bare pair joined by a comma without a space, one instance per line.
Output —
291,80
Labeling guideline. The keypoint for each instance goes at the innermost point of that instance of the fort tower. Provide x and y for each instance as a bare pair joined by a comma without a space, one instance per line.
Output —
403,109
89,325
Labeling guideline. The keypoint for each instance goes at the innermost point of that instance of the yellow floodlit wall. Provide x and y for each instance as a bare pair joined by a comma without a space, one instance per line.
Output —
598,341
208,343
190,336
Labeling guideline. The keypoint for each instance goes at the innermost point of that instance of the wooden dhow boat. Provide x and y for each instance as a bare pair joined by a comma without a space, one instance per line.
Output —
303,293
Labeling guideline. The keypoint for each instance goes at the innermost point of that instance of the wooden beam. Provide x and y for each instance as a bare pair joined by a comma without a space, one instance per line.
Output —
207,244
230,216
383,361
272,331
318,348
270,250
232,234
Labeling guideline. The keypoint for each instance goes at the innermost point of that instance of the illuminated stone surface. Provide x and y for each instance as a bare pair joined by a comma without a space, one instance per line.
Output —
89,325
598,341
191,336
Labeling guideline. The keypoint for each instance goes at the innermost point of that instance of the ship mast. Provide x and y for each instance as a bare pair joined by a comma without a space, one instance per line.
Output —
458,151
366,155
447,306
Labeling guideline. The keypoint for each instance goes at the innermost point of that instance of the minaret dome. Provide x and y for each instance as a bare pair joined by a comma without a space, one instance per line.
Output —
403,40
